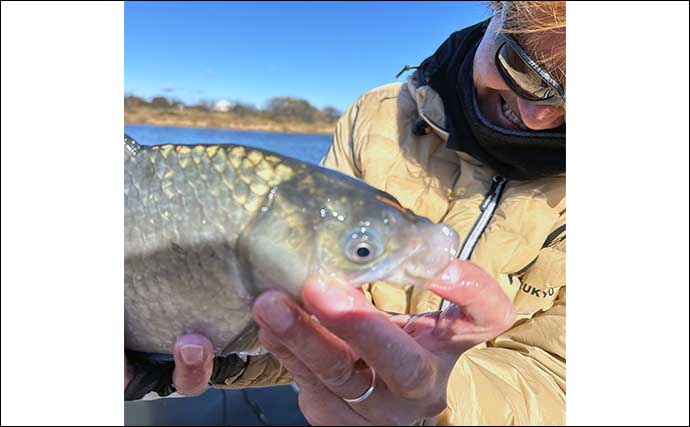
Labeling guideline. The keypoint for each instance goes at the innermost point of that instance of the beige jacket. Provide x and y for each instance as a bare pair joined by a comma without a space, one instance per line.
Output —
519,377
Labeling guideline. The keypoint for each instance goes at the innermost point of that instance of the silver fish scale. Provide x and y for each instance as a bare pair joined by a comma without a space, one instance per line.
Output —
184,210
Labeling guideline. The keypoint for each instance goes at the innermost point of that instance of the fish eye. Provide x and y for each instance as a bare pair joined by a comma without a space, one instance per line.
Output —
361,246
361,253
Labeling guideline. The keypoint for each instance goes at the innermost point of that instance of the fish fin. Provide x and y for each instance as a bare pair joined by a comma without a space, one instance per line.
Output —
131,146
247,343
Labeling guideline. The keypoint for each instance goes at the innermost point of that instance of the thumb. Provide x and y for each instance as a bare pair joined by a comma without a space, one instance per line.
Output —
483,306
193,364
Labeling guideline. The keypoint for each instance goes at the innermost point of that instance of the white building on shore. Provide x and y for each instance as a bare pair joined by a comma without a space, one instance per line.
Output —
223,106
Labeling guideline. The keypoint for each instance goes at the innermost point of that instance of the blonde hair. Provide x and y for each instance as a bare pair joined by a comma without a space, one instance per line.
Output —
530,22
523,17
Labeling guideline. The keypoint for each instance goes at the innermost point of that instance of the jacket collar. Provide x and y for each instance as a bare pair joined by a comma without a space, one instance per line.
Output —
430,109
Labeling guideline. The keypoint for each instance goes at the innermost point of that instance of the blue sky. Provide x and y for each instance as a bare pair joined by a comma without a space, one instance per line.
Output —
326,52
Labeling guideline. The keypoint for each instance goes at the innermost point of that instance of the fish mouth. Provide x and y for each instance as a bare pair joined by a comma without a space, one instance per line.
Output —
425,256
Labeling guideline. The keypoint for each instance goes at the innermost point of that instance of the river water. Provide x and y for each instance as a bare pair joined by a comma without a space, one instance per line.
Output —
308,148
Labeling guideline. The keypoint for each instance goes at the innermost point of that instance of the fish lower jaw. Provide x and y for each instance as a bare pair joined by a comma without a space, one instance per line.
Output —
417,274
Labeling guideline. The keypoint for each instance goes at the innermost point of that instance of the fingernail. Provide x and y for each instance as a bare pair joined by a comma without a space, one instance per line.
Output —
192,354
277,314
340,296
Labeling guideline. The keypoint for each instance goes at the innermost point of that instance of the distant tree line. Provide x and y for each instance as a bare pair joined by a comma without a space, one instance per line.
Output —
284,107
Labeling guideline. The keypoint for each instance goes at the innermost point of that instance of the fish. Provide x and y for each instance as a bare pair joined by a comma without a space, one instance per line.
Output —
207,228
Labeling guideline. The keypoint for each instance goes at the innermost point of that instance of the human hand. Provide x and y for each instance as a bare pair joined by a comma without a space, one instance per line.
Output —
411,355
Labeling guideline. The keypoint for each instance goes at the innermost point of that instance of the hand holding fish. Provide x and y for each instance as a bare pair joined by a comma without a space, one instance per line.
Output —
412,356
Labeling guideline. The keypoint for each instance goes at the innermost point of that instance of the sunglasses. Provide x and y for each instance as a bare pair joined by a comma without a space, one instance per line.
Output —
523,75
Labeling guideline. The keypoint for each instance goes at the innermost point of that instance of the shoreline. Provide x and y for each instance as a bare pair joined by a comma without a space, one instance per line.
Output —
217,120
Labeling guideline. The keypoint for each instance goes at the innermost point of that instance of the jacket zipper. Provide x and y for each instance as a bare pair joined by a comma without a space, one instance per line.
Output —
488,207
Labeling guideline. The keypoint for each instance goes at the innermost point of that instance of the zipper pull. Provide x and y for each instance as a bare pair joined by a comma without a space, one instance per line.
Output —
496,184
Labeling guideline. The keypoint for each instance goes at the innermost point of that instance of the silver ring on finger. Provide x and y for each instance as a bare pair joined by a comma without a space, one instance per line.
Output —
367,392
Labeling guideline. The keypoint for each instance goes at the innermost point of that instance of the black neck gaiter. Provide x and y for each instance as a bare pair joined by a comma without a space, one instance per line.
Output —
519,155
